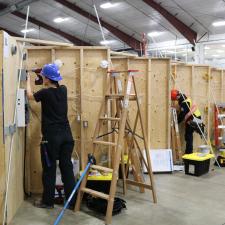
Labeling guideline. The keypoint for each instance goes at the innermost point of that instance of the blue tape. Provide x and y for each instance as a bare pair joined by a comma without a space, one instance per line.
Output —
71,195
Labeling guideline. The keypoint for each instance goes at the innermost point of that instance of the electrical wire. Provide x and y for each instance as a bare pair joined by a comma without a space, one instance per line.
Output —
99,23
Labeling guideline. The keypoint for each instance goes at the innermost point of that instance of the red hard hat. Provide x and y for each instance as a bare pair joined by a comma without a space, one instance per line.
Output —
174,94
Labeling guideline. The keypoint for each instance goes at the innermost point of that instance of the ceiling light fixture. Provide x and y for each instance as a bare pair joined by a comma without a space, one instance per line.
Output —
108,5
219,23
27,30
220,51
215,56
107,42
60,19
207,48
155,34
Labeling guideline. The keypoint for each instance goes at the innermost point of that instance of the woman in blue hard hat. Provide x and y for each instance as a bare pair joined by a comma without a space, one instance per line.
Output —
57,141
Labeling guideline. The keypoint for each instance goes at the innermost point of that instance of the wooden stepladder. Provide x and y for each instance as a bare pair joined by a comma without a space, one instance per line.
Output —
114,111
175,137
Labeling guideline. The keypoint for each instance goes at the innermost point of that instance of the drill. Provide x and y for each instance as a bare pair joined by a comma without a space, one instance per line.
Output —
38,79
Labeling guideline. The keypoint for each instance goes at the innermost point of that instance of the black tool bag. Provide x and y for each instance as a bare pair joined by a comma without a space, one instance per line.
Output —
100,205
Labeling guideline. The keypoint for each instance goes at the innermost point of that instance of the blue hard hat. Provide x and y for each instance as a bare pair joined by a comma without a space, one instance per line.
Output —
51,71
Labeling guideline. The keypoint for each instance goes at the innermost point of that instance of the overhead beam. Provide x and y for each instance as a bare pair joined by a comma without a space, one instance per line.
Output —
14,7
10,32
129,40
186,31
67,36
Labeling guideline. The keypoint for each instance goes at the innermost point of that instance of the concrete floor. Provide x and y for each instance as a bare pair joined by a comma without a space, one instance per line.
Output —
182,200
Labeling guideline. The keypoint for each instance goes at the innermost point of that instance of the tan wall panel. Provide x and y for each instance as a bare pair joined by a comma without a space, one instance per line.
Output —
84,79
183,82
159,104
10,74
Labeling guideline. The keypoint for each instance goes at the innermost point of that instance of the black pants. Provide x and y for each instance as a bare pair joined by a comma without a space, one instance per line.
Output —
57,144
189,139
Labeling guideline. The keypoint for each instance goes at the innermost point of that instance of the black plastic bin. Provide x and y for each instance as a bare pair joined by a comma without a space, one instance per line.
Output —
200,167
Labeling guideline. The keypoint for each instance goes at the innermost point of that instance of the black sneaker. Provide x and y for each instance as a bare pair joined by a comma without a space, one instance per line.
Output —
40,204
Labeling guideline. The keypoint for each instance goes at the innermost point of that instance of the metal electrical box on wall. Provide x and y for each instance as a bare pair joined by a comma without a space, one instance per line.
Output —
21,108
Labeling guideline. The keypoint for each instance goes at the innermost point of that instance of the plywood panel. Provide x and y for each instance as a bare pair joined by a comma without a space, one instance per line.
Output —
141,81
10,74
141,78
201,97
216,86
35,59
183,78
183,82
159,104
93,83
216,94
2,149
85,80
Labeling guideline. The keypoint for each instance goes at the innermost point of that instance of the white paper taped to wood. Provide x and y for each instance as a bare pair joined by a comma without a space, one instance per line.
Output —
161,160
6,45
129,85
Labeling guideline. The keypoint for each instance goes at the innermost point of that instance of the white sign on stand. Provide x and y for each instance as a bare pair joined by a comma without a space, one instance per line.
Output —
161,160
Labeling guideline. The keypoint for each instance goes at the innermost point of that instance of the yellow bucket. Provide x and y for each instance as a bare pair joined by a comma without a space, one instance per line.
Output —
222,152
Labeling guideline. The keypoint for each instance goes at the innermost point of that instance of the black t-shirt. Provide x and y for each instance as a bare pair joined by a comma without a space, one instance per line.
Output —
54,107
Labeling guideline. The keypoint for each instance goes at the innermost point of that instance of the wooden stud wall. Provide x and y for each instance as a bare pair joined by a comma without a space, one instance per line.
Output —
9,76
85,81
194,81
216,95
201,89
153,89
2,148
204,85
183,81
141,64
159,102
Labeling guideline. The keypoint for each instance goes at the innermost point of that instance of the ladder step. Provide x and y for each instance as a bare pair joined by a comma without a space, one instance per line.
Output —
101,168
114,96
120,96
104,143
95,193
109,118
139,184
